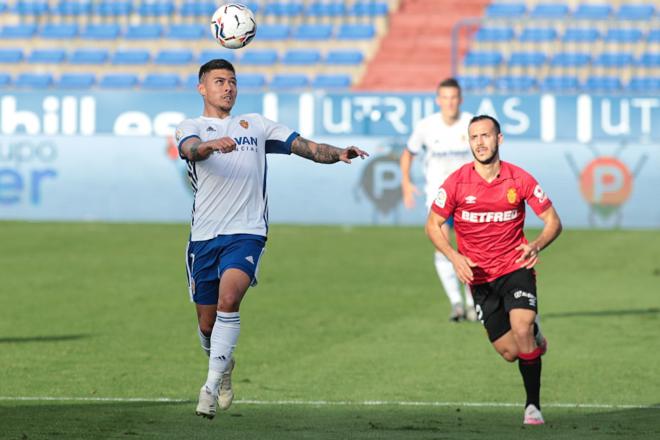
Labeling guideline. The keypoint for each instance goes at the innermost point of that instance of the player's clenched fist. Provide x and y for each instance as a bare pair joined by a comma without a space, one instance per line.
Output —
224,144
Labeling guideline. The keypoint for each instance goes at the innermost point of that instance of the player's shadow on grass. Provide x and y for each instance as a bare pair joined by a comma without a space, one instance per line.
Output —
603,313
49,338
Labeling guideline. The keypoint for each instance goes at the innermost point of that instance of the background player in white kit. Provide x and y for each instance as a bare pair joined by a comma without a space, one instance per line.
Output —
443,138
226,158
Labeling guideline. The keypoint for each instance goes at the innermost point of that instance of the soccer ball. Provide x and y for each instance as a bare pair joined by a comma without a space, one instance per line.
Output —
233,25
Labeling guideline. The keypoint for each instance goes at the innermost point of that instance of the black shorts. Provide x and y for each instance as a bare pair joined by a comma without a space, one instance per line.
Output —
493,301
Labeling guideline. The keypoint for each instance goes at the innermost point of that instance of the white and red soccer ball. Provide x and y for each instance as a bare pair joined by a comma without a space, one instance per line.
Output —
233,25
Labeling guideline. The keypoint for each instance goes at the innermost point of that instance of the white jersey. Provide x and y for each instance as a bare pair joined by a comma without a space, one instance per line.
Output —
230,189
445,146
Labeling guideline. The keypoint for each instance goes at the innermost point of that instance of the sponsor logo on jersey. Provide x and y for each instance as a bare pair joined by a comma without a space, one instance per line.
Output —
512,196
539,194
244,124
250,259
489,217
471,200
210,129
441,198
244,140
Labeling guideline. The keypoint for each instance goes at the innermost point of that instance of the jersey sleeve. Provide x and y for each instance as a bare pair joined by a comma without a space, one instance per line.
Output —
278,137
534,195
445,202
185,130
416,141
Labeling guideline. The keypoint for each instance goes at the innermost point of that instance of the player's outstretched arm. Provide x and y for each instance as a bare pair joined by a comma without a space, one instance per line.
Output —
551,230
324,153
462,264
195,150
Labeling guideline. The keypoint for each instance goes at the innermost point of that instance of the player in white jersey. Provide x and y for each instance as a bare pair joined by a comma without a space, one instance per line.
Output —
443,139
226,158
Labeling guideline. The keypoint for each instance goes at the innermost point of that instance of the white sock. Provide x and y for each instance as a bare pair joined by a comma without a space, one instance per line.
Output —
223,341
469,301
448,278
205,341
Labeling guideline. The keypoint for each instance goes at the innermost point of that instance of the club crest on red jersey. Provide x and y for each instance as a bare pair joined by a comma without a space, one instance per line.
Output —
512,196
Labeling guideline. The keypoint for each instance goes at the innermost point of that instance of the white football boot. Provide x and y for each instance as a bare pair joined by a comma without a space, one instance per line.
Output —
206,403
533,416
225,393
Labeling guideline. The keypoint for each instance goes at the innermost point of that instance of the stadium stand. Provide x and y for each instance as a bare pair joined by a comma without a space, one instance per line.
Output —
502,45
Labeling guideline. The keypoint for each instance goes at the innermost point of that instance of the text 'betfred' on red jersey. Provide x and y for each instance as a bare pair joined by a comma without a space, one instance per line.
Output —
489,217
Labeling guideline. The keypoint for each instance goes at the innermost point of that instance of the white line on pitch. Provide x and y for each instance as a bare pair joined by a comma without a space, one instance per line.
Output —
332,403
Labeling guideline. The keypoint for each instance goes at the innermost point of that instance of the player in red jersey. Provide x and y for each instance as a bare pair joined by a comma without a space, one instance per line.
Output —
487,201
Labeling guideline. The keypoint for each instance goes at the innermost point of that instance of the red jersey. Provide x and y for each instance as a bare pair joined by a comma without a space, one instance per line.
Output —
489,217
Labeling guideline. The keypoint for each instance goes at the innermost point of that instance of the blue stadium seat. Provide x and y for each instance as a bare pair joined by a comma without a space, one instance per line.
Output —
32,7
560,84
580,35
174,57
187,31
301,57
191,81
76,80
68,7
324,9
46,56
483,59
327,81
118,81
653,36
344,57
312,32
5,79
34,80
527,59
369,9
59,31
623,36
570,59
635,12
284,9
288,81
478,82
146,31
161,81
644,84
602,84
88,56
214,54
649,59
25,30
250,80
160,8
107,31
538,35
614,59
522,83
356,32
273,32
501,34
261,57
592,11
549,11
113,8
11,56
198,8
506,10
131,56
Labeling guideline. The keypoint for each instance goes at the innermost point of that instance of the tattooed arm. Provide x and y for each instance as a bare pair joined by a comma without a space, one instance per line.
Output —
195,150
324,153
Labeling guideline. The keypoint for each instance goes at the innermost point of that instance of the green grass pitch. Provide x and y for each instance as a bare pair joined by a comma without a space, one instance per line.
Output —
341,317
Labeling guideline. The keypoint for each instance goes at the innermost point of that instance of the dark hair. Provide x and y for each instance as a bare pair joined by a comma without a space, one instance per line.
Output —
449,82
490,118
217,64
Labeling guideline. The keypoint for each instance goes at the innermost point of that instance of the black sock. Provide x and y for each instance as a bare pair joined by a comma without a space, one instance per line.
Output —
529,365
